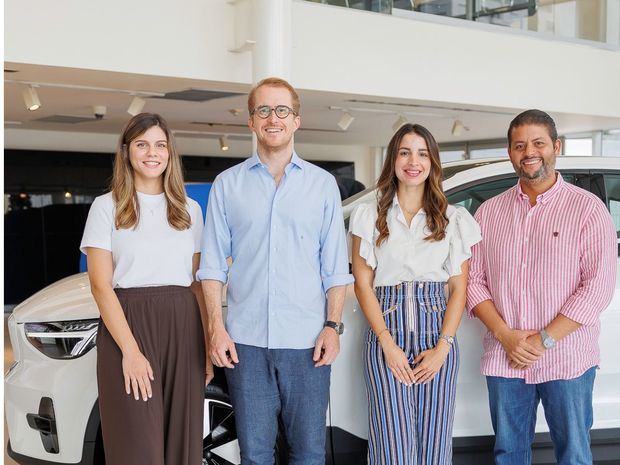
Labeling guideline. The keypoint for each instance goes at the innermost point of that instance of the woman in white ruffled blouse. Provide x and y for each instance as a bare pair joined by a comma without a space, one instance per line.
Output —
407,247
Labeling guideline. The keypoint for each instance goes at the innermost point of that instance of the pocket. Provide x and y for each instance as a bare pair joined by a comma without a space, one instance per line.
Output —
431,304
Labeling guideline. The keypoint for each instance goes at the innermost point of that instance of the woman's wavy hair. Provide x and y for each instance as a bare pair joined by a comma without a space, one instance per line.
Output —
123,185
434,201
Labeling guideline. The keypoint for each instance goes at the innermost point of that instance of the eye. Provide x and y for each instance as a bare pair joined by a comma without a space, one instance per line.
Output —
140,145
263,111
282,111
403,153
424,154
518,146
162,145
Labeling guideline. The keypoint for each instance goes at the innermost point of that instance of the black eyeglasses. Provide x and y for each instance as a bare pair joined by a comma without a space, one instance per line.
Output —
281,111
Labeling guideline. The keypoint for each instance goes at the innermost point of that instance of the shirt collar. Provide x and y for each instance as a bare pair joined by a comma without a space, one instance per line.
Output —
254,160
547,195
396,206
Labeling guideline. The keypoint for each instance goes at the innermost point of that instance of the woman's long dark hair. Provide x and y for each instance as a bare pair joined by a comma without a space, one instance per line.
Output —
434,201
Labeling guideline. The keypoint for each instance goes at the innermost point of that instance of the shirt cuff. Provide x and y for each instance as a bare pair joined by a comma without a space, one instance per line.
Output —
476,294
215,275
579,311
337,280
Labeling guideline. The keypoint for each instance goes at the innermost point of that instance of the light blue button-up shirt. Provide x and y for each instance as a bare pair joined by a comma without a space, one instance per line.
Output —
288,247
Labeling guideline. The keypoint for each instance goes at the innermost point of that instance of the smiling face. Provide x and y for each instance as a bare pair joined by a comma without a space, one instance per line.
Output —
148,155
533,153
272,133
412,164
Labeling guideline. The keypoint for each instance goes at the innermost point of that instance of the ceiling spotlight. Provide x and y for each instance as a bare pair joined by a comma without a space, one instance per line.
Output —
224,143
235,111
68,195
31,98
458,128
345,121
399,123
136,105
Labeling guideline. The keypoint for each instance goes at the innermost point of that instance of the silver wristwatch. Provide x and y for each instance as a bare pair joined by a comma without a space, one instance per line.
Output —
547,340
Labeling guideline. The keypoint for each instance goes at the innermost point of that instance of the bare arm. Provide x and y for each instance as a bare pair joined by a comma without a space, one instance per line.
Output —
327,344
395,358
197,290
221,346
137,370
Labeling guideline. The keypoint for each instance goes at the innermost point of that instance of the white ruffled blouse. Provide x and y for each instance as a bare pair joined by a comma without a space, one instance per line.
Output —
405,255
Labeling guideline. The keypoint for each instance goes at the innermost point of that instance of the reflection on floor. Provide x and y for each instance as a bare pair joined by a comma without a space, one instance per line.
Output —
8,359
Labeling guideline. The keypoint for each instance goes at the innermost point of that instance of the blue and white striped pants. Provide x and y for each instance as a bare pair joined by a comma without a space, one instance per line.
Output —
410,424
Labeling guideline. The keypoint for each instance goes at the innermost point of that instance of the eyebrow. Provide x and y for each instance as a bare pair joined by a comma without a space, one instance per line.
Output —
144,140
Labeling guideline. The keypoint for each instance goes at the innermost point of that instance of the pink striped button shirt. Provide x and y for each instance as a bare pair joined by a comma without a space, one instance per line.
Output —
534,262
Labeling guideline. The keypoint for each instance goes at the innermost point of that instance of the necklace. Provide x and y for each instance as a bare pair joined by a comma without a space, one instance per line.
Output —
151,205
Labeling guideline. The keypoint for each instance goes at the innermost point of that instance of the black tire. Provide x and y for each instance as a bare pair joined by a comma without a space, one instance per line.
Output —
220,442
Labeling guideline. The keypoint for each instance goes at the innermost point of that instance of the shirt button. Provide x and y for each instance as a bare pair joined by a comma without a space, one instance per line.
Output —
420,285
434,307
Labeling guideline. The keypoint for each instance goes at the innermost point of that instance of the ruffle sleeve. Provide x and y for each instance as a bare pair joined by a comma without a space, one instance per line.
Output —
464,234
362,225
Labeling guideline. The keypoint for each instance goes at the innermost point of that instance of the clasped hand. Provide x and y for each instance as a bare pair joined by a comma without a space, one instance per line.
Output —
427,363
523,348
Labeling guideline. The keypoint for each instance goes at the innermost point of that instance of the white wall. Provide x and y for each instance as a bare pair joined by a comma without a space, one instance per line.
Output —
27,139
184,38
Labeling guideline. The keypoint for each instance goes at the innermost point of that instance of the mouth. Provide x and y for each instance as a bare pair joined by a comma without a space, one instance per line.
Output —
151,164
529,162
273,130
413,173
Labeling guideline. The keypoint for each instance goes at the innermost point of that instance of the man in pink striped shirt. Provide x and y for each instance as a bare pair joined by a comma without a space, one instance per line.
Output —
539,279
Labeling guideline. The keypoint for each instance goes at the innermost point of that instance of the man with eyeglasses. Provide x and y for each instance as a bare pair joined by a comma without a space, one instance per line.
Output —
280,220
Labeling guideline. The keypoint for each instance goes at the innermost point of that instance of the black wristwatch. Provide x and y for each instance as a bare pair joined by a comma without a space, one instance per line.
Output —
338,327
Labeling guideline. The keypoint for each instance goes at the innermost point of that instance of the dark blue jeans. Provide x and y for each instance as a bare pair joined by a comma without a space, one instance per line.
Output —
568,410
267,383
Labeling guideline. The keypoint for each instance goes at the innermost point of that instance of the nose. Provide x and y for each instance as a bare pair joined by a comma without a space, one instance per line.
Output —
152,151
272,116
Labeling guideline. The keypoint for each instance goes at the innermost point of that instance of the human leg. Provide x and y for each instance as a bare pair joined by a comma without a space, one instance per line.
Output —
304,394
255,398
568,410
513,407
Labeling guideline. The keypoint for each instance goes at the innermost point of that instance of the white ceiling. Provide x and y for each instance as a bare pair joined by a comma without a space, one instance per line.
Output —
374,116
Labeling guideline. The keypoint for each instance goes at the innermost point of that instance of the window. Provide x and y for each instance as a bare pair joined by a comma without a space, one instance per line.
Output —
612,187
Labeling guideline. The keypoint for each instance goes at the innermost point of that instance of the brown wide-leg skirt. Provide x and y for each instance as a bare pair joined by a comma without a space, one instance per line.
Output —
167,429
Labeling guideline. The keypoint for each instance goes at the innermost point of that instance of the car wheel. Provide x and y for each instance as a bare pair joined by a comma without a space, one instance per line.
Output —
220,445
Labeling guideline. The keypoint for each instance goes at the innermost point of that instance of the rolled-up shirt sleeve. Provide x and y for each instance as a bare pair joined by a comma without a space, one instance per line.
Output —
597,266
216,240
334,253
477,286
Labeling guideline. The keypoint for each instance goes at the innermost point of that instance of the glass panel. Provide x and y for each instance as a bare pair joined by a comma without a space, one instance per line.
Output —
451,155
578,147
453,8
379,6
611,143
612,186
492,152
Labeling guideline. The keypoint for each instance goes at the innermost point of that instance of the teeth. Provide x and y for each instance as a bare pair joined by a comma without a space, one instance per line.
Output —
273,130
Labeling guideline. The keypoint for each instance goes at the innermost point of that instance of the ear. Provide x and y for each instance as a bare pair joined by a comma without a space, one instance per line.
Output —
251,123
297,122
557,146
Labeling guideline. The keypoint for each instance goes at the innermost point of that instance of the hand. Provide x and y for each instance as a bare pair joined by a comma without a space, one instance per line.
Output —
326,348
521,352
222,348
138,375
536,341
397,362
430,362
209,371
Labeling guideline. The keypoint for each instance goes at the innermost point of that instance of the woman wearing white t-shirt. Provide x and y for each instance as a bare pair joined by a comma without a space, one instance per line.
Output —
142,241
406,247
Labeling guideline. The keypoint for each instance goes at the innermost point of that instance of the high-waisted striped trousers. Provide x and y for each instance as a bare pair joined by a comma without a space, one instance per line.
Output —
410,424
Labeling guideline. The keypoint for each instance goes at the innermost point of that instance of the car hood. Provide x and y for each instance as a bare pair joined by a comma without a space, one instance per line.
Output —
67,299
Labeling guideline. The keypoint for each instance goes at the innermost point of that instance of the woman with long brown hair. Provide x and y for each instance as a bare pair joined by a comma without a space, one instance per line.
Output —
142,240
406,247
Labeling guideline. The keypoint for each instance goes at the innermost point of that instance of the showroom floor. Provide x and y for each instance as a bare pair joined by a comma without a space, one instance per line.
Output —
8,359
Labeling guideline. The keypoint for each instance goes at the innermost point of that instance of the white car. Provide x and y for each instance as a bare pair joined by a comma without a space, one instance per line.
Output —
51,389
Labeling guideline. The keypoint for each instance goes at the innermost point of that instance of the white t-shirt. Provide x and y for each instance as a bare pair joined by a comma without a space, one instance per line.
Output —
152,254
405,255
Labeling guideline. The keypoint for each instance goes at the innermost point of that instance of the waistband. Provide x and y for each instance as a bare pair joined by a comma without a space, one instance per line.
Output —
152,291
407,288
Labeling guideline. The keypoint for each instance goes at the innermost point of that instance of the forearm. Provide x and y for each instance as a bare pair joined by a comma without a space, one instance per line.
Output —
204,318
561,326
212,290
454,312
370,307
335,303
114,318
486,312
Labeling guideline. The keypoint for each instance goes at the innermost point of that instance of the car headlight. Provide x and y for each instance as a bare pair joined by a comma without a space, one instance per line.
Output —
63,339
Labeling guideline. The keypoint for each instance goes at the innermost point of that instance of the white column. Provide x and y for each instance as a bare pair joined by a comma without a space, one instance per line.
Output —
271,54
